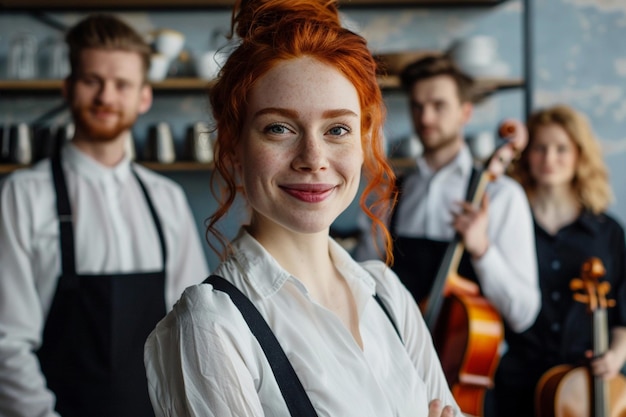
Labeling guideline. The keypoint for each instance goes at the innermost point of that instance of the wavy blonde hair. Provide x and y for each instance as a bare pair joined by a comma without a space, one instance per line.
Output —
591,179
271,32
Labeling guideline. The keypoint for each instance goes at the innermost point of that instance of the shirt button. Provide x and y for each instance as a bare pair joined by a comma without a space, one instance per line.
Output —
555,327
556,296
556,264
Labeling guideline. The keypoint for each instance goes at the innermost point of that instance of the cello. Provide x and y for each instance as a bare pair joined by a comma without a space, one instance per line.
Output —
568,391
467,330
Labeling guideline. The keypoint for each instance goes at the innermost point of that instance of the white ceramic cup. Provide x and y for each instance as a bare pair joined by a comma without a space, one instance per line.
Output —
474,51
482,145
169,43
159,65
208,65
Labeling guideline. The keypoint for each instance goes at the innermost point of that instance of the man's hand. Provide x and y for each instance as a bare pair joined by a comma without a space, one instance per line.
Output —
471,223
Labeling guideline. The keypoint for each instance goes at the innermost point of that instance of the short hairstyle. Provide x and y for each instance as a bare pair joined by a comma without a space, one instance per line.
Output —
103,31
272,32
436,65
591,179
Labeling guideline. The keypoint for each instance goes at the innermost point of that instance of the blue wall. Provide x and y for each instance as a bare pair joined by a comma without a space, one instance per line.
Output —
579,59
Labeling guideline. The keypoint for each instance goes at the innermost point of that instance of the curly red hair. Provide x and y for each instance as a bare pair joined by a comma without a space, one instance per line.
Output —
273,31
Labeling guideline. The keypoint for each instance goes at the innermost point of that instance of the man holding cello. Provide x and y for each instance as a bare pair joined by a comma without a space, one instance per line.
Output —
432,210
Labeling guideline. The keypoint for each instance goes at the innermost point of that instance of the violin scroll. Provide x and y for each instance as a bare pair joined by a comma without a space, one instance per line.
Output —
588,289
515,137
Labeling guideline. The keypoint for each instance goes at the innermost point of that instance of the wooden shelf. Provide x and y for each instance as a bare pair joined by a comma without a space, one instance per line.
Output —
182,166
178,166
190,166
7,168
178,4
170,84
390,82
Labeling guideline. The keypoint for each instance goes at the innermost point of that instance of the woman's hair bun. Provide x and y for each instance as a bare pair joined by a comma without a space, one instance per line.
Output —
252,19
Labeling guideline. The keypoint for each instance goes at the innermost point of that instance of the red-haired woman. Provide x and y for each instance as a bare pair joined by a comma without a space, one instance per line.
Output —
567,185
299,117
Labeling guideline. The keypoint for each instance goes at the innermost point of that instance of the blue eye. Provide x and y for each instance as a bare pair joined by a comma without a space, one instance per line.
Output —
277,129
338,131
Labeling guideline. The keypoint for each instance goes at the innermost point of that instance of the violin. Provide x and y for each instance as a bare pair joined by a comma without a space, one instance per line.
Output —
467,330
568,391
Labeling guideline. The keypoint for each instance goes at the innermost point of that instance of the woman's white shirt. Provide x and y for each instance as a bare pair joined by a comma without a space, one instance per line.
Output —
202,359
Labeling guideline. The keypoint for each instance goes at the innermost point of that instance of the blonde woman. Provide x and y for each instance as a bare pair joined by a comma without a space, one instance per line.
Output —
566,181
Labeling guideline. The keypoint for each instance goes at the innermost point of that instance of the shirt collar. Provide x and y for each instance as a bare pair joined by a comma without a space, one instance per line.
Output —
266,276
589,222
91,169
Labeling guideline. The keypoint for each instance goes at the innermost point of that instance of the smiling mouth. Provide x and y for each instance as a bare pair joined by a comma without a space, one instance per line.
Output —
310,193
102,112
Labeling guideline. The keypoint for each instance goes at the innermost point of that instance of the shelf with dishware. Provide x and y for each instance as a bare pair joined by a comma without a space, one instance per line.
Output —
392,64
181,166
386,82
191,166
52,86
188,4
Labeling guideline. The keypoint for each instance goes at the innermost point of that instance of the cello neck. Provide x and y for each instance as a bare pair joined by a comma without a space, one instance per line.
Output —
450,263
452,256
600,346
516,138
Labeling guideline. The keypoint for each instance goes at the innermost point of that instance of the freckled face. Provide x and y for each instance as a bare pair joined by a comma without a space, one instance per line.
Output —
300,156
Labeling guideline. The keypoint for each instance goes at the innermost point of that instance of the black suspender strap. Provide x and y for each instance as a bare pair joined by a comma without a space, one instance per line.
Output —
295,396
293,392
388,314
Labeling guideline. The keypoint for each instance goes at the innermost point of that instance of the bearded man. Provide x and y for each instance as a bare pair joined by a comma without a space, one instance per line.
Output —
94,249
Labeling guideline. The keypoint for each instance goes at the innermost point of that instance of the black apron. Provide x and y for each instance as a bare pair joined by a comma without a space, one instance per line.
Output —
417,259
92,350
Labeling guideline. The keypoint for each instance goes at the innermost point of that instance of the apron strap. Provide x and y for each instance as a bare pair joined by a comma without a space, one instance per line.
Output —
472,184
155,217
471,189
64,212
293,392
66,228
393,219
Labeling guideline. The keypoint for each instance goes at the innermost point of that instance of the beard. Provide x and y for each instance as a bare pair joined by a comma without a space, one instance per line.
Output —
437,140
98,131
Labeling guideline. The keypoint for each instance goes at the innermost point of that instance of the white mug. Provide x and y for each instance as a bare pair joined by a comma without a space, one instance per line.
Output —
482,145
159,65
200,143
160,146
21,151
169,42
